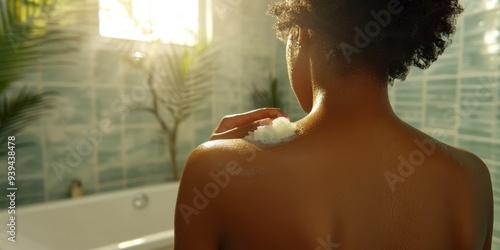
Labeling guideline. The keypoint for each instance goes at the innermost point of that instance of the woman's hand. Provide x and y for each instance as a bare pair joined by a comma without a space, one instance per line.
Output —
238,125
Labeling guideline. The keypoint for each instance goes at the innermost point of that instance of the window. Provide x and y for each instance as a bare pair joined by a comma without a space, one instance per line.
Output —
171,21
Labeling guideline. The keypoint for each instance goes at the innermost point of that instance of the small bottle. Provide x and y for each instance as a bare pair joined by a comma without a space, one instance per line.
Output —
76,189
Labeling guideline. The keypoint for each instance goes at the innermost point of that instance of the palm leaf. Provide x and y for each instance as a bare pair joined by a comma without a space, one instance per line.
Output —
18,112
189,72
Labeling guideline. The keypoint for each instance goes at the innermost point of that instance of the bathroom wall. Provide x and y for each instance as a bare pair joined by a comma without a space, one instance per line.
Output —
99,93
458,98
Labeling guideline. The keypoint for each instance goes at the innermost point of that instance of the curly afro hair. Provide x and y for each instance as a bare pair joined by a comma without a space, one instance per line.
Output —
392,34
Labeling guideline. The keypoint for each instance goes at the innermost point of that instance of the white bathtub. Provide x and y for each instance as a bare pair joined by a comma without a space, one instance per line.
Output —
107,221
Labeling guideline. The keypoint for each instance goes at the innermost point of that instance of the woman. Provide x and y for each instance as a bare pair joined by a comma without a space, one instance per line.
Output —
354,176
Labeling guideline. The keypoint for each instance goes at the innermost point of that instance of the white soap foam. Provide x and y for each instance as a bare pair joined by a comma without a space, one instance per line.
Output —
280,130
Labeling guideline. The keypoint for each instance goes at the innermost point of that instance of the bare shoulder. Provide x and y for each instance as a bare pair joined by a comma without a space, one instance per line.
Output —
215,162
467,169
213,157
205,175
471,197
218,154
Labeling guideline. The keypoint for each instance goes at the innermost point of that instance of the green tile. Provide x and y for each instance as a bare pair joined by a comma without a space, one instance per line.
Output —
108,103
110,187
137,116
28,159
133,76
441,91
496,153
413,123
185,145
144,145
447,138
476,128
446,64
4,204
203,133
146,182
68,150
408,112
109,154
482,149
497,121
31,186
204,113
440,115
72,107
58,196
133,102
106,66
148,169
75,70
415,72
410,91
29,200
109,175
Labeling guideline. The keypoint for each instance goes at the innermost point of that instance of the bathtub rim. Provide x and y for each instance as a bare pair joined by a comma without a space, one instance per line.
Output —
128,192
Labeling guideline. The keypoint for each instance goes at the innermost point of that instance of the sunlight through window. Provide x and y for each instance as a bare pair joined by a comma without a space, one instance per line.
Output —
171,21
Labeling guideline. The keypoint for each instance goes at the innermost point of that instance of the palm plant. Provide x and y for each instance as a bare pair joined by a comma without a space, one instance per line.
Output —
25,30
179,78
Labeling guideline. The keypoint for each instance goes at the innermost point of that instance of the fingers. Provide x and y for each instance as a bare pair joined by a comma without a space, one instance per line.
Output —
241,131
234,121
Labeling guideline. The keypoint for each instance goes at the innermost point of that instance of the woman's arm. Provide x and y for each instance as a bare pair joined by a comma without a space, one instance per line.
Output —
196,221
473,203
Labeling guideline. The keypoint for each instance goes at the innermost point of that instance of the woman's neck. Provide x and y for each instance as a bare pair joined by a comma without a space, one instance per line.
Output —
349,100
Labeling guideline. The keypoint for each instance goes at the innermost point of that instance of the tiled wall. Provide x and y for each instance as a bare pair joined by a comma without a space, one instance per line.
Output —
100,87
458,98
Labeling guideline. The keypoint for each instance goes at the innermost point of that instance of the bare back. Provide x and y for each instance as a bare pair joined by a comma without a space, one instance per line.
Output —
388,187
